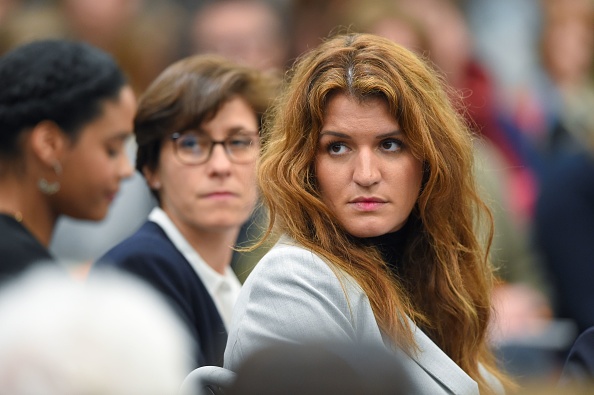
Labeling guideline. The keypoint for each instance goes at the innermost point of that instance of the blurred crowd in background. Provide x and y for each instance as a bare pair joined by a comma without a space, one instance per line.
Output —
521,71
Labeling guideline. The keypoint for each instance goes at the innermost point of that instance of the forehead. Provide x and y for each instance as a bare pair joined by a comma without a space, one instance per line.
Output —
233,113
345,113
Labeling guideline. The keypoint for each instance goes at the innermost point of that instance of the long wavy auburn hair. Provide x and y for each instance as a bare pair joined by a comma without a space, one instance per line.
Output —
446,279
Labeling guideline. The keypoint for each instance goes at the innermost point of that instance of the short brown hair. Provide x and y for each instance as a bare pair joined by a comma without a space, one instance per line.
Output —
189,92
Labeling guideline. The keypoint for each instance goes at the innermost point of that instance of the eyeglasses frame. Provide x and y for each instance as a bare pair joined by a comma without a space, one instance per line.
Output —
177,135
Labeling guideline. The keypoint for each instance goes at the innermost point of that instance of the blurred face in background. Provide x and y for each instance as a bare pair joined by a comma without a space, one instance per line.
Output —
247,32
100,21
568,40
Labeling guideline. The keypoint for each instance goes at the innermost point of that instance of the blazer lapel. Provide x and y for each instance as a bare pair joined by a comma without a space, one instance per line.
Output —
439,365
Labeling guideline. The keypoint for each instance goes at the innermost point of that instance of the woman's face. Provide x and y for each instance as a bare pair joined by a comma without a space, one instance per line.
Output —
217,195
367,174
95,164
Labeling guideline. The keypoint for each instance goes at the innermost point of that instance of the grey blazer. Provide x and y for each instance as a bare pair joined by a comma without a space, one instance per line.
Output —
292,295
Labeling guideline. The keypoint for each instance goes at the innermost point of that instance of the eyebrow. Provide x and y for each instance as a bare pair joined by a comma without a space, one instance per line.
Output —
231,131
121,136
346,136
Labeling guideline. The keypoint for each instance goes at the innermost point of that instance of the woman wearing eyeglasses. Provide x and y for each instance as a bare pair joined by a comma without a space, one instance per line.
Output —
197,130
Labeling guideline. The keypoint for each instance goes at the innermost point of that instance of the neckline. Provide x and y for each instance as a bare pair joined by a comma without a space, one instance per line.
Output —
16,216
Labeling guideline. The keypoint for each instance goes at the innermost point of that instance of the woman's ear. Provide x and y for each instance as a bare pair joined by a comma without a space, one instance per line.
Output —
48,142
152,178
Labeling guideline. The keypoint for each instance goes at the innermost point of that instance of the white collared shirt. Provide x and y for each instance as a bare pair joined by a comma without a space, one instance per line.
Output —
223,289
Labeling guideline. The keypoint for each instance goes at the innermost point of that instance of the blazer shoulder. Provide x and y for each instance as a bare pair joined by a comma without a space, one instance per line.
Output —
288,260
148,250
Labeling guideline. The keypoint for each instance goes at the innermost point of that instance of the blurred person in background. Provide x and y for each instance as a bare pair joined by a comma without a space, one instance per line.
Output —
125,28
30,21
567,52
112,335
119,27
250,32
562,223
198,130
7,7
546,99
564,234
312,21
66,112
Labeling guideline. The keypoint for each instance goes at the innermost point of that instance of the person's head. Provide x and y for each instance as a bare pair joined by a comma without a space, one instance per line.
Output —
100,22
197,101
566,41
358,104
65,115
363,141
249,32
387,18
109,335
448,36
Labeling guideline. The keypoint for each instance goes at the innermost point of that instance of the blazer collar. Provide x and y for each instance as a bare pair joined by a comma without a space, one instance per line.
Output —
439,365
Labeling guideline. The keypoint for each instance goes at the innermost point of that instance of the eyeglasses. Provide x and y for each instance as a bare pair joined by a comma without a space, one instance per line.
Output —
194,148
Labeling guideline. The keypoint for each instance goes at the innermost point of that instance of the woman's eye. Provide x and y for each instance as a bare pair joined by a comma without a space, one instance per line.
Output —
113,151
391,145
240,142
337,148
188,143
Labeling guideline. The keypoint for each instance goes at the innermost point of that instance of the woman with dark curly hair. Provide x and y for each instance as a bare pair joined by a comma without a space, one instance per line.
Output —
66,112
367,175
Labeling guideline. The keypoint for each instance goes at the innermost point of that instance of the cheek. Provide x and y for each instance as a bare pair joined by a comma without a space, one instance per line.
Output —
331,184
176,182
412,176
85,171
249,181
179,182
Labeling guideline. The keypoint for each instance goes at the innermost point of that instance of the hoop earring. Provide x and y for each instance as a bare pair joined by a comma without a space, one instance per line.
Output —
50,188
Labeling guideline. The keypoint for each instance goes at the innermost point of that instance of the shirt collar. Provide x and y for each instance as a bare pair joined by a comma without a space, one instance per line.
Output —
211,278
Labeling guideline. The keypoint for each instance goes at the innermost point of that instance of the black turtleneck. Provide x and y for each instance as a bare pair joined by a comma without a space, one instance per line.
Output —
390,245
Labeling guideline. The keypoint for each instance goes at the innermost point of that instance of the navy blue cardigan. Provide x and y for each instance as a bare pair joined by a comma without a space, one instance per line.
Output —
150,255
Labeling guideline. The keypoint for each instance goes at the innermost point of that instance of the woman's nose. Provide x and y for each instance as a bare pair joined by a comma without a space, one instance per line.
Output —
366,171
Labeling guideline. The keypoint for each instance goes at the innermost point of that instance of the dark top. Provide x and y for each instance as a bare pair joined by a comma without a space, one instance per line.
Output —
579,366
391,246
150,255
564,230
19,249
